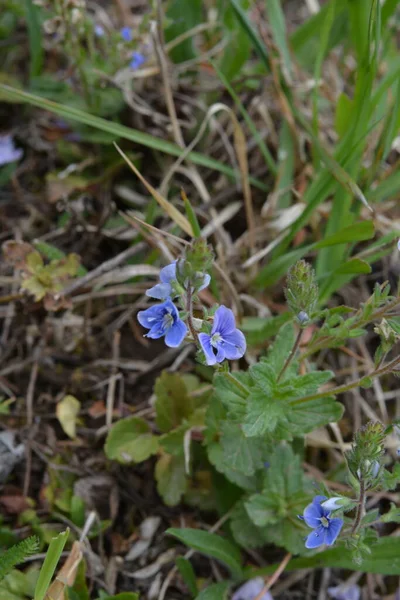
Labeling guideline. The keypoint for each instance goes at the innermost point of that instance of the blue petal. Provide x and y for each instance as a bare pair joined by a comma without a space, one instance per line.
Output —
168,273
205,343
316,537
345,592
160,291
335,525
156,331
250,590
169,306
206,282
314,511
147,318
234,345
126,34
221,356
224,321
176,334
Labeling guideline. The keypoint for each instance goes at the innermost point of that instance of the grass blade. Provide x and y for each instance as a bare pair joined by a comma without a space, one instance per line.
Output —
252,34
50,563
35,39
8,93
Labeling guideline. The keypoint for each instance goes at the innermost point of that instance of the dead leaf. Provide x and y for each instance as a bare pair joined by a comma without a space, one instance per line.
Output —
16,253
14,505
67,574
67,410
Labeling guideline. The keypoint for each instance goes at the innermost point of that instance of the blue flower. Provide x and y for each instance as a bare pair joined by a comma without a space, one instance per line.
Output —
8,152
168,276
326,529
98,30
225,341
137,60
345,592
163,320
126,34
251,590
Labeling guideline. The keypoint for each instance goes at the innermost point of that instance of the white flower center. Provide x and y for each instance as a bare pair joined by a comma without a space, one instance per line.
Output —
215,339
324,522
168,320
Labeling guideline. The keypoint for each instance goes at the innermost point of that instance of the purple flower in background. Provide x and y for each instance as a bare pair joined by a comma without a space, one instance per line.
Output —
126,34
137,60
250,590
326,529
225,341
345,592
163,320
8,152
163,290
98,31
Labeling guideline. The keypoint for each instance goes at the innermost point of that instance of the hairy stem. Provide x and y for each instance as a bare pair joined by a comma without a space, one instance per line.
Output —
189,309
360,508
291,355
388,368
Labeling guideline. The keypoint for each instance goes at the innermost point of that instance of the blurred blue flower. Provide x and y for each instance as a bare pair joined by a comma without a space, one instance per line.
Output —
250,590
137,60
345,592
98,30
225,341
126,34
164,290
325,529
8,152
163,320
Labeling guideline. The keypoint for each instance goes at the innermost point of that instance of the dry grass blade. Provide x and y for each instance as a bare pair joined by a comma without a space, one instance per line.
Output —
171,211
67,574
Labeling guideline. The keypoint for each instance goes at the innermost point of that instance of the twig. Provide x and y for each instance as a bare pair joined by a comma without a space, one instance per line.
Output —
108,265
29,421
113,379
274,578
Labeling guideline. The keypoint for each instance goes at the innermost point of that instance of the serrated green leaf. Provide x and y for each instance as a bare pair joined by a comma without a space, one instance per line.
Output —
281,348
213,545
263,509
245,532
171,478
263,414
240,453
130,440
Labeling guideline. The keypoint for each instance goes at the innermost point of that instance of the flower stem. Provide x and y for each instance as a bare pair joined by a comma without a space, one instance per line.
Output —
291,355
360,508
189,310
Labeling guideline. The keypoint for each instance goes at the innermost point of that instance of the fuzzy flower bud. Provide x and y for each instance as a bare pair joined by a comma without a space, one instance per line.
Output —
335,503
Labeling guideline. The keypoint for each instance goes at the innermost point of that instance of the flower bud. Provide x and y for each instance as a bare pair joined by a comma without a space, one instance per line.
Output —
335,503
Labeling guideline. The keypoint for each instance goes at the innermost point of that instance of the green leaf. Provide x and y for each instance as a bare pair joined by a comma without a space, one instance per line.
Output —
215,591
240,453
245,532
276,19
253,36
182,16
364,230
171,478
47,571
130,440
282,499
173,404
212,545
354,266
280,349
186,570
